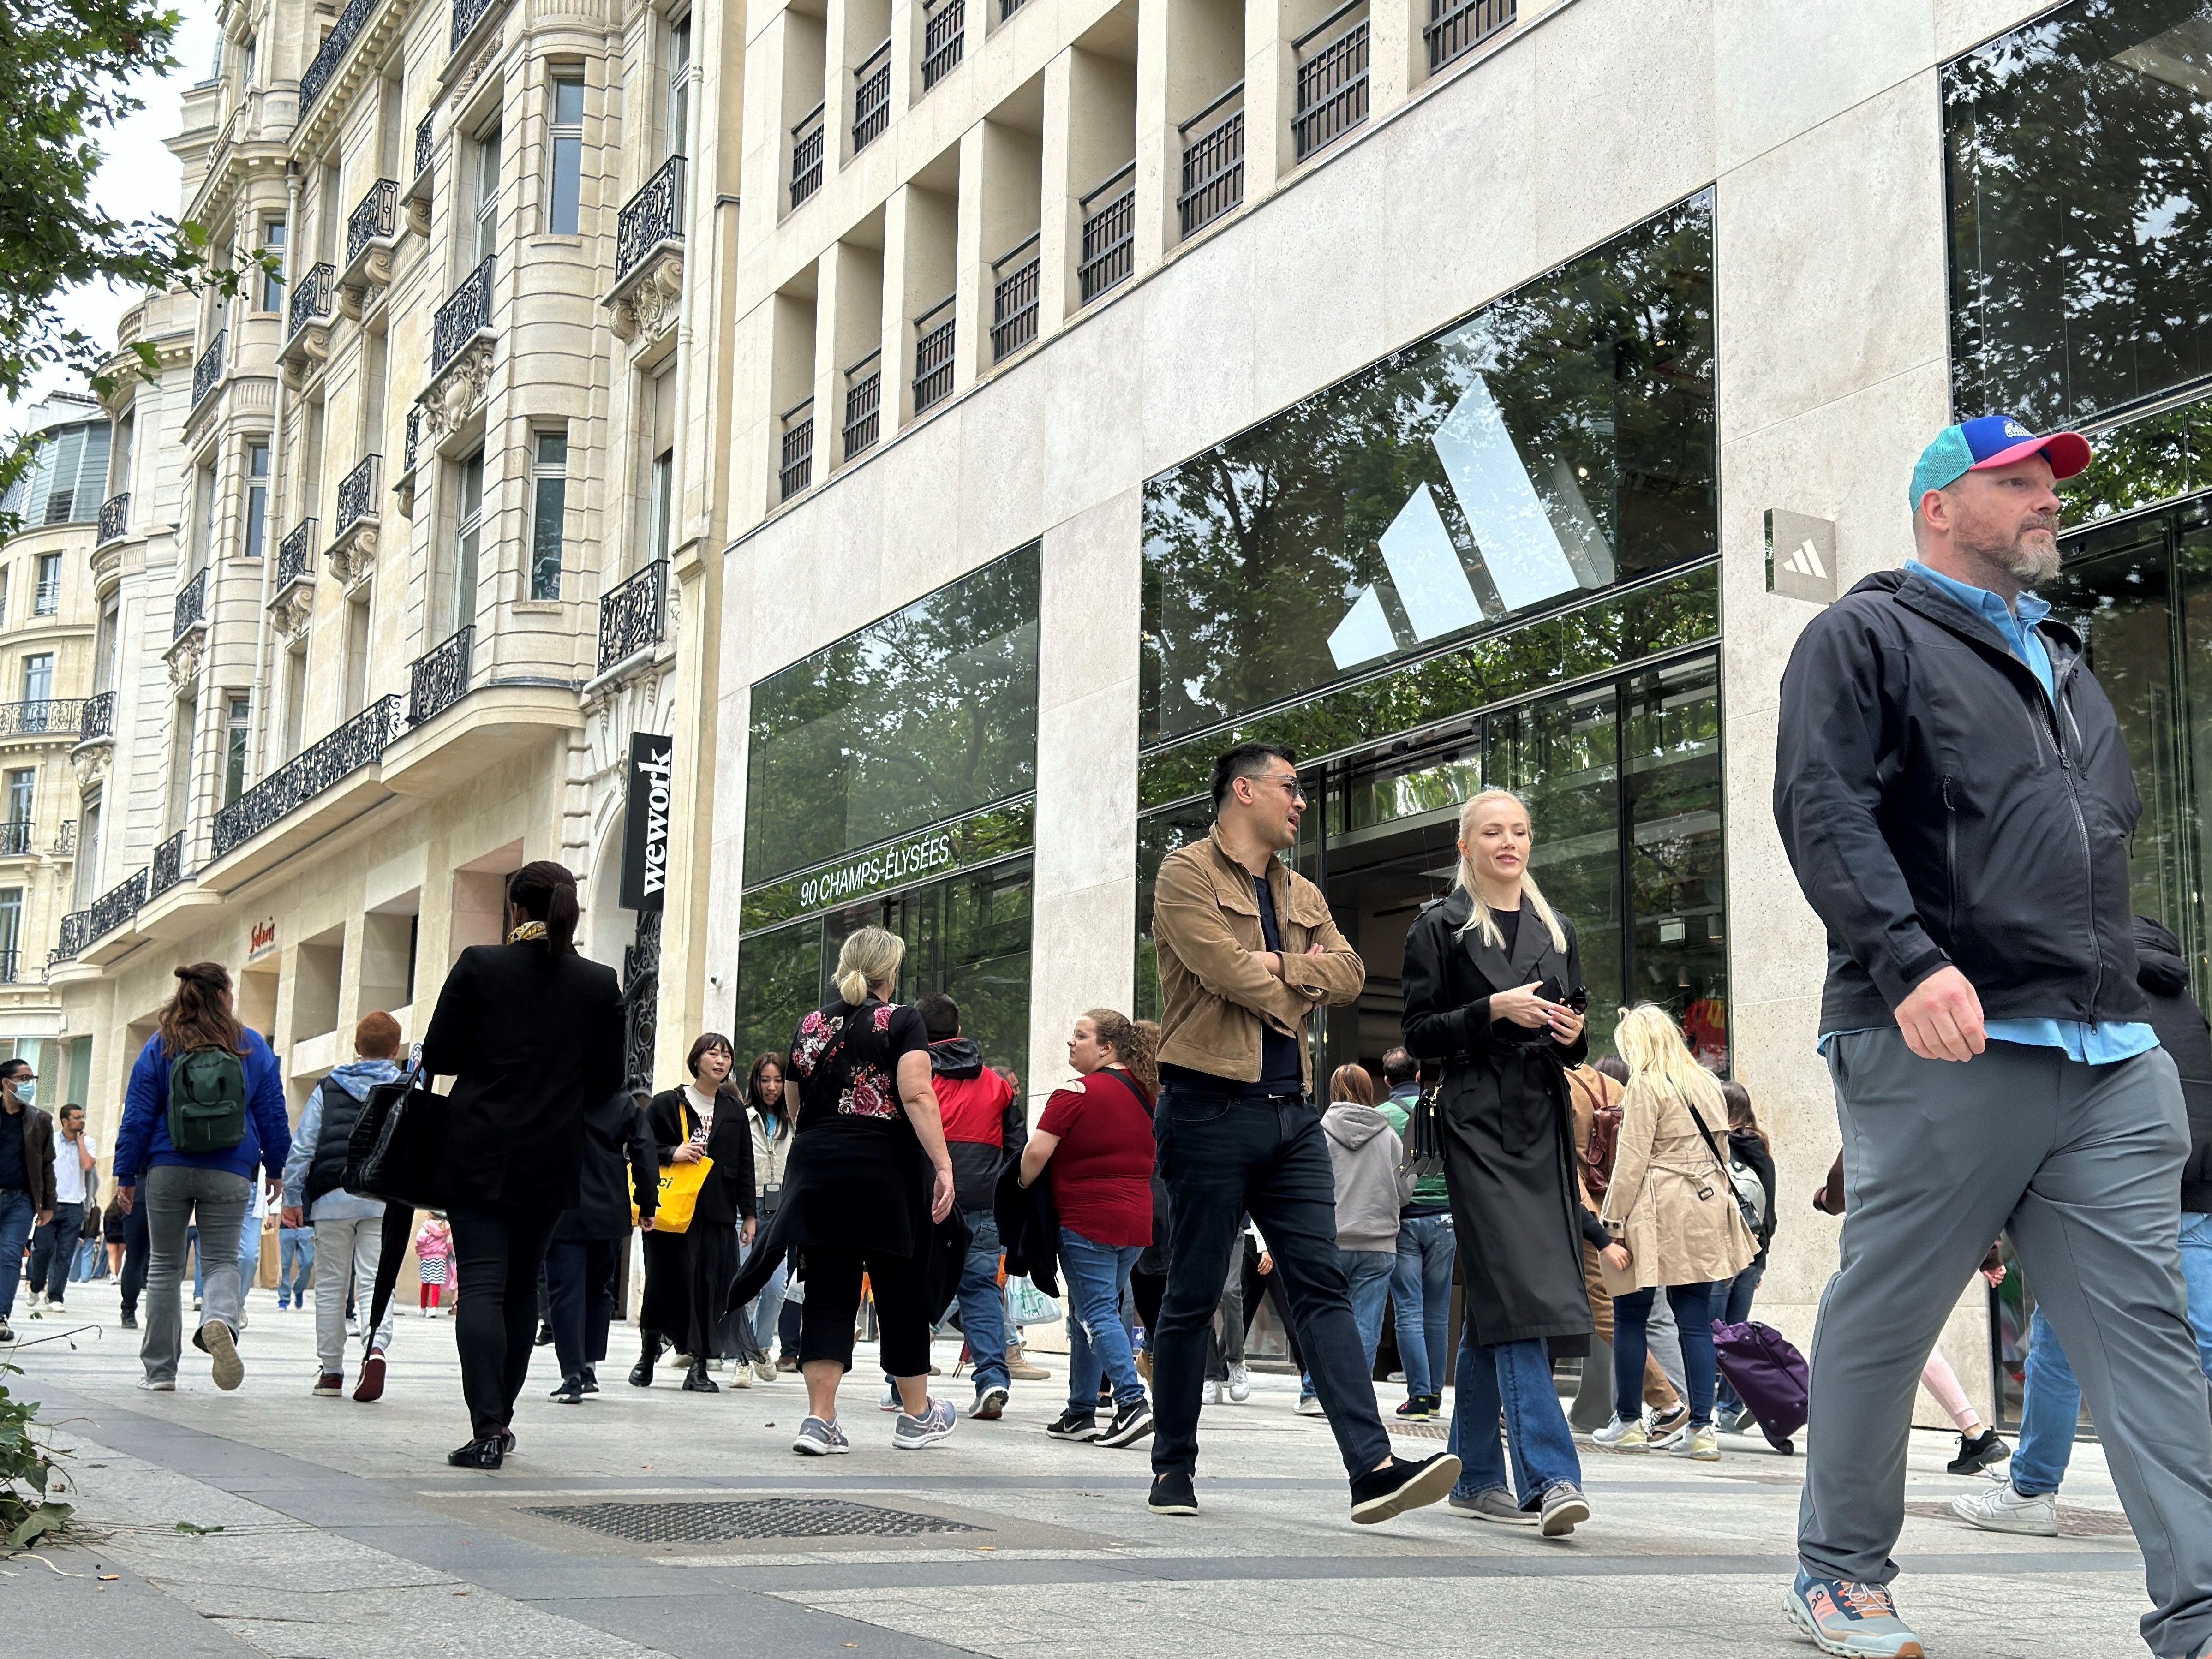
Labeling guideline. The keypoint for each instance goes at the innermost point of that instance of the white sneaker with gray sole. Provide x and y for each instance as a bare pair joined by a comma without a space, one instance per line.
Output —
2002,1508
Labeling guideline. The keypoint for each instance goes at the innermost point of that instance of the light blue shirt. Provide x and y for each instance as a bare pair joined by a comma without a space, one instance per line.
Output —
2093,1045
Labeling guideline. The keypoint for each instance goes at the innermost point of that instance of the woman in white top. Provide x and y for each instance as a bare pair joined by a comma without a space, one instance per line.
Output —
688,1273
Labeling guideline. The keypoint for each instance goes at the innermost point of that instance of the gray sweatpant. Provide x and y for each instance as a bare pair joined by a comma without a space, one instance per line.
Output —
176,1196
350,1247
2081,1165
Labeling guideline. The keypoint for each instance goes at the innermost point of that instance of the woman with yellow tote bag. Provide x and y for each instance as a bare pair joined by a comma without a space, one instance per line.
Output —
705,1149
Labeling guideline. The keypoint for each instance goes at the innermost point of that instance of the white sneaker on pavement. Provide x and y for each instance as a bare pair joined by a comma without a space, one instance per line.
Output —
1240,1383
2003,1508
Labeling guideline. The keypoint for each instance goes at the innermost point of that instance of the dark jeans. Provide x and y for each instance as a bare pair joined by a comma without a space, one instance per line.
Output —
497,1252
1732,1306
136,1246
1221,1156
1693,1311
16,1219
833,1303
579,1294
51,1248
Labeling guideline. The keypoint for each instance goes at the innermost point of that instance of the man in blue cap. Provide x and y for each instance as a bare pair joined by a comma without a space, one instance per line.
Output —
1955,795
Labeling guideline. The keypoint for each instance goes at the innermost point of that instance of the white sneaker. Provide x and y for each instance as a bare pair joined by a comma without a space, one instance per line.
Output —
2002,1508
1212,1394
1240,1383
1630,1436
740,1374
158,1384
764,1370
37,1301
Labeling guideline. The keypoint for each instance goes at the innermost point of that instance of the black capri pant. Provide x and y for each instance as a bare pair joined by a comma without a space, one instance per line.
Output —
832,1306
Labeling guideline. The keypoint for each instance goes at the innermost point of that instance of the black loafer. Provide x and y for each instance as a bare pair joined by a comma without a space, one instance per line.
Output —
477,1454
1400,1486
1172,1494
571,1391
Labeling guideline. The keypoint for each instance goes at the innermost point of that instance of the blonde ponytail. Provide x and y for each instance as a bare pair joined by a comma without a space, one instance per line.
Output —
1478,919
869,957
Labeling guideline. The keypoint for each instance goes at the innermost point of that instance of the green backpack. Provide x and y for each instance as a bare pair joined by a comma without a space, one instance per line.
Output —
207,1101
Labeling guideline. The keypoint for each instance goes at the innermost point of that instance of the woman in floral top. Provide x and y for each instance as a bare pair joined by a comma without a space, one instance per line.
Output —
868,1179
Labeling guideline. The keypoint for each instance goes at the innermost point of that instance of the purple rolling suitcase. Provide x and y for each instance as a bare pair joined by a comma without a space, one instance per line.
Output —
1769,1376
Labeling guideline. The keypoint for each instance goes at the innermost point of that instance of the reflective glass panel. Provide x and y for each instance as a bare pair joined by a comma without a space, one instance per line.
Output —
1671,798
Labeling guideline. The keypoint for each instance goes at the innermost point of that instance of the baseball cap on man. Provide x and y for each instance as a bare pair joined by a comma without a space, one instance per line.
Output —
1991,440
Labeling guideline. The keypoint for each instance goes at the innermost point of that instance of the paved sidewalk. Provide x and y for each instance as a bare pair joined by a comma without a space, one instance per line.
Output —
343,1532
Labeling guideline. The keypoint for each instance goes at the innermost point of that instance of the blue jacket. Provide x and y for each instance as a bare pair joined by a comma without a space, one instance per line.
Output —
142,1142
356,1077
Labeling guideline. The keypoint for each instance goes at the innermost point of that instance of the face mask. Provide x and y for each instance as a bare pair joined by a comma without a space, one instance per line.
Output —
27,1092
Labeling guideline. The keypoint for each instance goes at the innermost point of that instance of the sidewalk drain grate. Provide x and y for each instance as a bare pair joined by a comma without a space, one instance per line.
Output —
758,1517
2073,1523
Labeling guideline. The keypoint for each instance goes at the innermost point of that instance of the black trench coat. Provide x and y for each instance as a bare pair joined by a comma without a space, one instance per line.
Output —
1508,1133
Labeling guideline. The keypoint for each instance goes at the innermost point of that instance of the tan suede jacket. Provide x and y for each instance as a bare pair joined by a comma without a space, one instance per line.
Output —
1214,995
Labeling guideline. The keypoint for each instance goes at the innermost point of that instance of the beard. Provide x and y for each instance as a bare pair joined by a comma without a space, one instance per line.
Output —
2032,560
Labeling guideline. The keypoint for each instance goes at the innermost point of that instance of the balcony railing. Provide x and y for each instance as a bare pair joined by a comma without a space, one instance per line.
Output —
440,677
423,144
1458,26
169,867
356,743
1331,79
466,314
209,370
358,494
932,354
872,97
1013,301
653,216
115,906
10,967
335,46
1213,162
806,155
467,13
191,606
17,835
630,614
296,555
47,598
376,218
414,434
1109,235
864,398
57,715
1008,7
943,32
75,934
65,839
311,298
796,470
96,717
114,518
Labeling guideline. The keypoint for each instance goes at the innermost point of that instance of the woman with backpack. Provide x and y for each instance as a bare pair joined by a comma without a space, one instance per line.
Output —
1672,1208
532,1035
205,1107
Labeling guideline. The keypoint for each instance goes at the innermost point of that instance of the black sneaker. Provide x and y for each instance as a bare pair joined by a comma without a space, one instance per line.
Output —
1400,1486
477,1455
7,1332
1416,1409
1072,1424
1978,1453
544,1336
1132,1423
591,1379
571,1391
130,1323
1172,1494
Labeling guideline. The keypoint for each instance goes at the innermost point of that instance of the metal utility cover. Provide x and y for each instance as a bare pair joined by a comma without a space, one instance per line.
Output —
757,1517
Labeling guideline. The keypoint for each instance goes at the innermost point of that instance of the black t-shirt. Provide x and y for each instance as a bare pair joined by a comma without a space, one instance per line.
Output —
1509,928
1279,1071
14,1172
857,1176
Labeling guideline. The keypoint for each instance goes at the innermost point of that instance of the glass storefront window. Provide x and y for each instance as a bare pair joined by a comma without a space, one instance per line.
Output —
1559,442
1671,795
2079,188
924,715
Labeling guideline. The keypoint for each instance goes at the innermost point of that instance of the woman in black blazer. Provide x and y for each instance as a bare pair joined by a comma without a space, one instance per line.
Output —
687,1274
532,1035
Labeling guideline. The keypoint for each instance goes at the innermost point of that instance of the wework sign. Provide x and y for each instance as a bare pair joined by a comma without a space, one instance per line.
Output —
644,832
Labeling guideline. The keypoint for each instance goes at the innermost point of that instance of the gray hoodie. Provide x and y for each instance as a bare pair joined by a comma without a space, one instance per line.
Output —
1370,1186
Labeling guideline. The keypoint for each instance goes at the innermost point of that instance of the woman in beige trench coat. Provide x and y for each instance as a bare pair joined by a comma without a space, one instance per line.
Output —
1672,1207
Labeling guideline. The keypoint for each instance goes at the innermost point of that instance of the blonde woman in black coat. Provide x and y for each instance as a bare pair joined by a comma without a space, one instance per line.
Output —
688,1273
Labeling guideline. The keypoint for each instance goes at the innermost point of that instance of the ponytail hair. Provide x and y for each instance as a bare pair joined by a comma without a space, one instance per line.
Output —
199,1014
1135,1044
1477,918
546,891
869,957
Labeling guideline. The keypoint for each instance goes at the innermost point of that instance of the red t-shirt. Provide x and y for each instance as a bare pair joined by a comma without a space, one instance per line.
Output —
1102,1170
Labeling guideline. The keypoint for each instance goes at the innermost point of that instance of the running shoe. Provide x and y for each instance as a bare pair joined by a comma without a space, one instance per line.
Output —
1851,1621
764,1370
1495,1504
2004,1508
1072,1424
1667,1424
1415,1409
890,1400
1626,1436
1977,1452
1702,1445
991,1402
222,1346
1310,1405
817,1438
1240,1383
1211,1393
165,1384
912,1433
1132,1423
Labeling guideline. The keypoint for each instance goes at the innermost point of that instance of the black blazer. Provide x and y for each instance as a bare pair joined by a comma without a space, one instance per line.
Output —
532,1040
728,1192
618,1159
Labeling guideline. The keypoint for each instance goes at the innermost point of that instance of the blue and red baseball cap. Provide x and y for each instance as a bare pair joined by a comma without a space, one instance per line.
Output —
1992,441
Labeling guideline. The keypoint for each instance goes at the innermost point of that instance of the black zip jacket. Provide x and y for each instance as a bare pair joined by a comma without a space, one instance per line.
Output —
1937,809
2181,1030
619,1161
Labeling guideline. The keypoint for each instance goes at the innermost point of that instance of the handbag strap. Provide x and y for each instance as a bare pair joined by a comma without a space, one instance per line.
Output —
1129,1083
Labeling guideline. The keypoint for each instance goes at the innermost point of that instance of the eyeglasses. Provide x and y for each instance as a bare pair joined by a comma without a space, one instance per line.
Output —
1288,780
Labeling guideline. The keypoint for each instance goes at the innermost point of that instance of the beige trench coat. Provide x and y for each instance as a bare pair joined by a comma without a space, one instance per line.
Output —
1674,1236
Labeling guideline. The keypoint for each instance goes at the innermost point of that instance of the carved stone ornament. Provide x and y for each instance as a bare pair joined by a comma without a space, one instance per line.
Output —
307,348
650,301
366,281
352,558
418,214
184,659
458,393
289,615
404,493
90,764
474,71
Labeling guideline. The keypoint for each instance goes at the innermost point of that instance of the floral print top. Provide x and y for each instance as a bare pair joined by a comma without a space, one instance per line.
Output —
846,1058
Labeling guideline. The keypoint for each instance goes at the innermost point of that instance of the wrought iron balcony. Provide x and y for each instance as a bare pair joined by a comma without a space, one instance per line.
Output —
439,678
115,906
209,370
47,598
168,866
1455,26
358,493
1213,162
872,97
423,144
466,314
75,934
932,354
943,32
631,615
335,46
11,967
864,398
296,555
467,13
191,606
311,298
1109,235
653,216
806,155
1331,79
114,519
796,470
356,743
65,840
376,218
414,435
1013,301
59,716
17,835
96,717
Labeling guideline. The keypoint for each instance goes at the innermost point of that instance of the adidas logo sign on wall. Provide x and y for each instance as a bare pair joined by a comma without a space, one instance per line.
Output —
1801,557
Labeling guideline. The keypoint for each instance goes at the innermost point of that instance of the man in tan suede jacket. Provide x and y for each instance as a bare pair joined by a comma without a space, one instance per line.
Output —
1246,951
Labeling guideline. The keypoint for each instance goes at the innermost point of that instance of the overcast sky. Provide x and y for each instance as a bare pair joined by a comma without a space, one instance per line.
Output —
139,178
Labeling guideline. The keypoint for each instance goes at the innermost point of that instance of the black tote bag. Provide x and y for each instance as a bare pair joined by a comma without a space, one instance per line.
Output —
397,1150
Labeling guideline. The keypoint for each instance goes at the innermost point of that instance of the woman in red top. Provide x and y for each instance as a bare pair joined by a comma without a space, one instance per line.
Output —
1098,1137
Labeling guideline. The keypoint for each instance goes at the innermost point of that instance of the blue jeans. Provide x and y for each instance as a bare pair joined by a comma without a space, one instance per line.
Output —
1420,1291
1694,1307
1369,1273
52,1248
295,1264
768,1306
983,1304
1098,1340
2048,1416
1732,1306
16,1217
1512,1380
2197,1274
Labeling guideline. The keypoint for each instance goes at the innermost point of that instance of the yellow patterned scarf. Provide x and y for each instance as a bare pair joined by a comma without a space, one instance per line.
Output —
529,930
